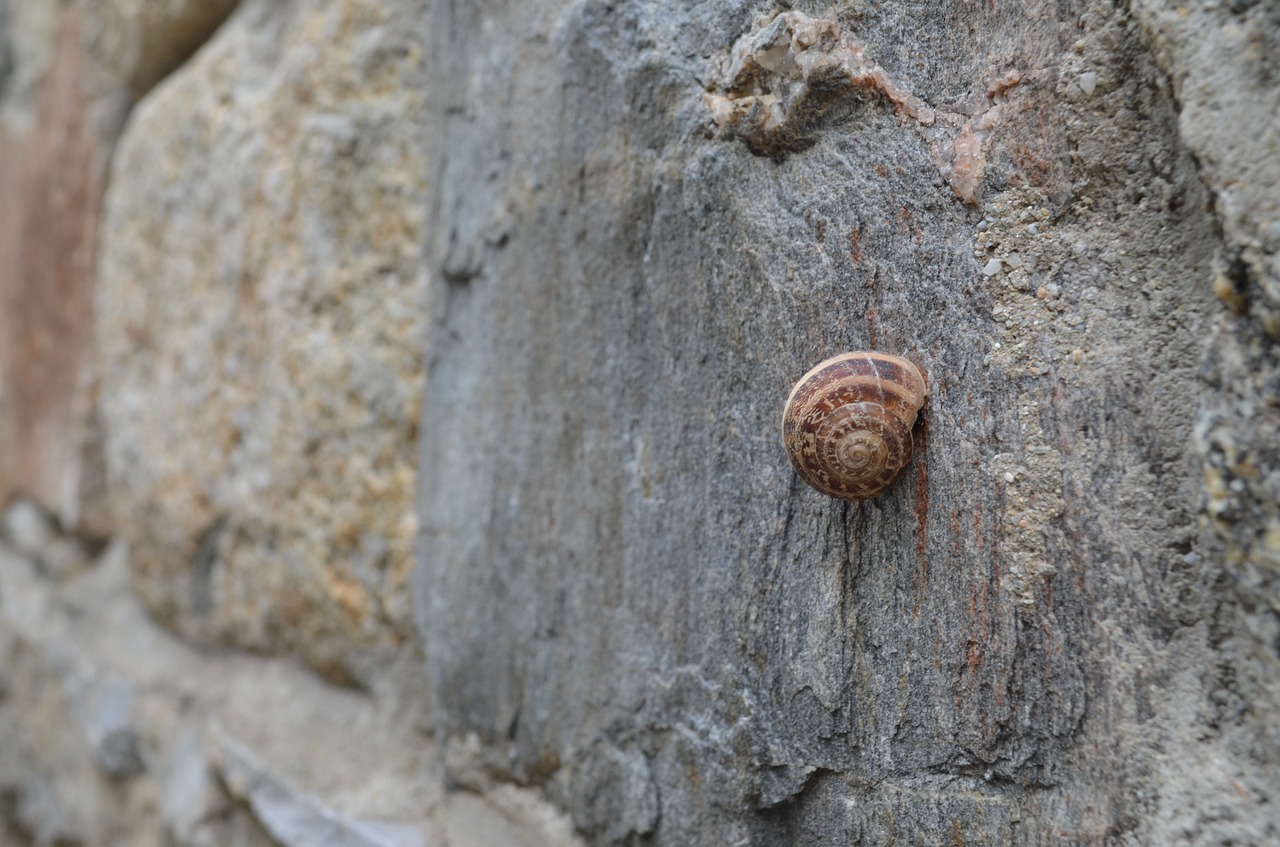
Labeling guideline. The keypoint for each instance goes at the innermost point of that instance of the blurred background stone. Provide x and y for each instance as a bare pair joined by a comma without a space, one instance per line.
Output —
113,731
261,323
69,73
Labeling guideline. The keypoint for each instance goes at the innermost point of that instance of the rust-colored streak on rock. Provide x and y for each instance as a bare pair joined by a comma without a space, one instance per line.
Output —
855,247
956,528
51,179
977,528
910,224
1032,133
973,657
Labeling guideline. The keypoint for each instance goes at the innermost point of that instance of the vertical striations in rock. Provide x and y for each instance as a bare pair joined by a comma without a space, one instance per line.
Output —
626,595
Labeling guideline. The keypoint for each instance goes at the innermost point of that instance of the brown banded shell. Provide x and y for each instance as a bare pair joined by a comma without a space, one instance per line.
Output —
847,423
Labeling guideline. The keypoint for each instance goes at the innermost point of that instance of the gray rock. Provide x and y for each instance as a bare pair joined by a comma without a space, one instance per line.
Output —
188,791
293,818
107,721
27,527
625,592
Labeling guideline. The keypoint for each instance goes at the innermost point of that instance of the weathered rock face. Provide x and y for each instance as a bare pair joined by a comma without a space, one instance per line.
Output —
642,222
261,332
68,74
654,217
1224,67
1222,63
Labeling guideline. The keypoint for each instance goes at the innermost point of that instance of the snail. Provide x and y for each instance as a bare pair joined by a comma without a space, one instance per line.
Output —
847,423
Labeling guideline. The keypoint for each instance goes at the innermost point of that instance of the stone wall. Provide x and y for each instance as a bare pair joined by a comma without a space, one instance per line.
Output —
388,423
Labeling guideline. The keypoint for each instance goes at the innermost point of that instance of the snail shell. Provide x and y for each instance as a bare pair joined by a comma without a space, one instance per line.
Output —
847,423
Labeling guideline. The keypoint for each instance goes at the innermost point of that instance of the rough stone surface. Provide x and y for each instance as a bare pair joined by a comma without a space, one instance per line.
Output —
642,221
627,597
1223,63
114,732
261,332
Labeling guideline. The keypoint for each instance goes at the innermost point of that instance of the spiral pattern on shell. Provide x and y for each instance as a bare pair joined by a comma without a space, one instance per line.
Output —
847,423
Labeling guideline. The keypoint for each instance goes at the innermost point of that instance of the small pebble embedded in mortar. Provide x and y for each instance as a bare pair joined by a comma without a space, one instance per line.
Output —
847,424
